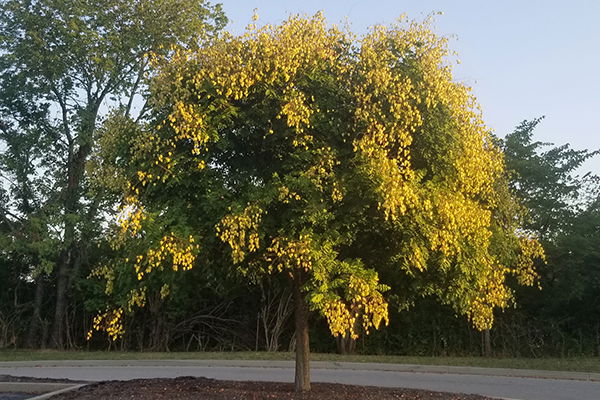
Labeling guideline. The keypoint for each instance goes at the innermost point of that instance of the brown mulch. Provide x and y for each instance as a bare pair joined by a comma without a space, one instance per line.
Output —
188,388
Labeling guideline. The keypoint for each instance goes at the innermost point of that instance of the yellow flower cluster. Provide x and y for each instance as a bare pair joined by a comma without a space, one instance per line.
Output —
232,67
109,322
188,124
461,220
267,55
240,232
392,108
148,146
492,293
531,249
131,215
179,253
106,273
363,306
387,113
340,319
297,111
336,192
492,290
285,195
137,298
322,173
165,290
479,163
284,253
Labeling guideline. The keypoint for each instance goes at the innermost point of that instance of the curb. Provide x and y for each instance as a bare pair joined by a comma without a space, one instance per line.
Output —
42,390
33,387
51,394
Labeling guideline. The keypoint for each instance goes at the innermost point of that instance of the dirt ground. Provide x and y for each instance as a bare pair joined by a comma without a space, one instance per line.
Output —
188,388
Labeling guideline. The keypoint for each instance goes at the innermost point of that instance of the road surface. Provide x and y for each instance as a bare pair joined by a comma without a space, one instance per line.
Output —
447,379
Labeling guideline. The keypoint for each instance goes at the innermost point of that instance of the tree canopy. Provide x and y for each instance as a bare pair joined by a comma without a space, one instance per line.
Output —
62,63
562,209
545,178
302,151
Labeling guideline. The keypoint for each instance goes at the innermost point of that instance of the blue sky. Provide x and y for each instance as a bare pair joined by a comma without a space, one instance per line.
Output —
523,59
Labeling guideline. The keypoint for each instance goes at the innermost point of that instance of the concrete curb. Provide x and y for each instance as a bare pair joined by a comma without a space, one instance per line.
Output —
436,369
43,390
32,387
51,394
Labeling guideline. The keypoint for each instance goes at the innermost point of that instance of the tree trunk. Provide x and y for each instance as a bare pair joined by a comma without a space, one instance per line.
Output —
302,379
63,267
345,344
75,164
33,340
75,172
487,343
58,330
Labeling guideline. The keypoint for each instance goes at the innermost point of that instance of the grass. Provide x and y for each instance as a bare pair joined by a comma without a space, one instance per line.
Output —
582,364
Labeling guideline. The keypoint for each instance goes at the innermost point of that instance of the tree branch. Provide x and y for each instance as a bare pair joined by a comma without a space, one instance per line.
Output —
135,87
8,221
65,112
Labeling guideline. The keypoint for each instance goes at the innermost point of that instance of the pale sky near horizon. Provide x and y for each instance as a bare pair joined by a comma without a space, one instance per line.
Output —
523,59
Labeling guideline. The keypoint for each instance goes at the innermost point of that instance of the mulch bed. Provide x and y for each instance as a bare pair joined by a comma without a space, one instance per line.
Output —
185,388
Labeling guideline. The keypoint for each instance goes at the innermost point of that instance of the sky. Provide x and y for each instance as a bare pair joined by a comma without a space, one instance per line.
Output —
523,59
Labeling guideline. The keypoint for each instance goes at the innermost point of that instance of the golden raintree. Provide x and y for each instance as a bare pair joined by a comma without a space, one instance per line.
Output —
303,151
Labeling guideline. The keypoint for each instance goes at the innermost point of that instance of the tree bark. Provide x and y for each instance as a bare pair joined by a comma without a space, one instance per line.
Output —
345,344
58,330
33,340
487,343
75,172
302,379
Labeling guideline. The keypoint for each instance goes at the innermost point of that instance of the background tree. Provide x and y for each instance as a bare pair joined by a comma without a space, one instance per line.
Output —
62,64
546,179
563,210
323,159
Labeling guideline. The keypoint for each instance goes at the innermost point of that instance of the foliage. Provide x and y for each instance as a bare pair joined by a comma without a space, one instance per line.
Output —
544,177
326,159
563,210
62,62
299,149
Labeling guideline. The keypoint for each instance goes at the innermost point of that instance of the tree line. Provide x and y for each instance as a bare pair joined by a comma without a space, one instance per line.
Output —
177,188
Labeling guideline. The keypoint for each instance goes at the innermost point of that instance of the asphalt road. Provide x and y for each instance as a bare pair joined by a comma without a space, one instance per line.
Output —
506,387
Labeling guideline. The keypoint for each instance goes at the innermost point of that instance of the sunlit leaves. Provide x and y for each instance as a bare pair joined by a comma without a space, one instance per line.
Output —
313,138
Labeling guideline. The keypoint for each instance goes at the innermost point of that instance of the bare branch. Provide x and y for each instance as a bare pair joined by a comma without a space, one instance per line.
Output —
8,221
65,112
7,179
143,111
135,87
